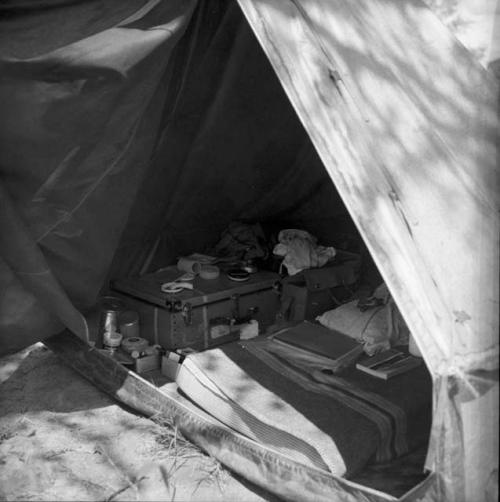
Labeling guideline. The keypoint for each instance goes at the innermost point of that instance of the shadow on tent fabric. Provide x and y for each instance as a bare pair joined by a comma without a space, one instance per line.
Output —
78,125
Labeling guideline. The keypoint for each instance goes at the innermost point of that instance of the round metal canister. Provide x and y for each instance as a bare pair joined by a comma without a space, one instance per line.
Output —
129,324
110,307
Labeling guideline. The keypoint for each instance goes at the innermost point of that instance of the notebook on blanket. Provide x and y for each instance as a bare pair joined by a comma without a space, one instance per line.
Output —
317,418
332,348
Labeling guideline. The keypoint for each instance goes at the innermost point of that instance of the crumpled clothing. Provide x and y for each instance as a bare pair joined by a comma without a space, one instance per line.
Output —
300,251
243,241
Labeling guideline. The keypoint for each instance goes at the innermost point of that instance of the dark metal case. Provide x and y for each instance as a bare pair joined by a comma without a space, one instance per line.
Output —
203,317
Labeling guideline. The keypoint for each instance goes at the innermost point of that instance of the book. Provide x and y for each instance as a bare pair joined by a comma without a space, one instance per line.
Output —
388,364
328,346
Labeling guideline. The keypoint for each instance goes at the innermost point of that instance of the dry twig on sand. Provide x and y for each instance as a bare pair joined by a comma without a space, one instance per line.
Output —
180,450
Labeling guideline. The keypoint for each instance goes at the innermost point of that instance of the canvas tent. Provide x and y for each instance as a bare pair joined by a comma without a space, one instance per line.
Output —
132,132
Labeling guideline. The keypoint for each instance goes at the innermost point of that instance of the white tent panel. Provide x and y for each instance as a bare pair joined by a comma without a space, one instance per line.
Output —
405,122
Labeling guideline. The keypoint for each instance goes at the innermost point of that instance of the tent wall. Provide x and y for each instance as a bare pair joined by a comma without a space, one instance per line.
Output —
78,126
125,143
229,147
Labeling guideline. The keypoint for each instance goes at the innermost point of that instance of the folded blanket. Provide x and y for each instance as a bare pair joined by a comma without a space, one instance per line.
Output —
216,384
319,419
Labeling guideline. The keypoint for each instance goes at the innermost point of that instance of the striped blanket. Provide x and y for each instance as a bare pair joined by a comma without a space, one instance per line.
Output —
265,392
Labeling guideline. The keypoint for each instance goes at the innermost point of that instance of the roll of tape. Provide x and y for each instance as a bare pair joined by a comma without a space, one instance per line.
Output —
209,272
112,339
238,274
175,287
134,343
189,265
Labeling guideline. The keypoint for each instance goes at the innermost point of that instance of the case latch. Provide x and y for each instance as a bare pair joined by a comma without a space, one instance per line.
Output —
186,313
173,305
235,298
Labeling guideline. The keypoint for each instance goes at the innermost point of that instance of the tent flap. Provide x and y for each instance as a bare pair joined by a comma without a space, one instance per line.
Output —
78,126
387,136
406,124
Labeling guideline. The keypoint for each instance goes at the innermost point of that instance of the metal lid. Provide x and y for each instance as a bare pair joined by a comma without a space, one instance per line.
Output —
111,304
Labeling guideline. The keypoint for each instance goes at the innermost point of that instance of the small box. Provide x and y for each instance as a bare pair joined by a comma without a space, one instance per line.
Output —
147,363
170,365
313,291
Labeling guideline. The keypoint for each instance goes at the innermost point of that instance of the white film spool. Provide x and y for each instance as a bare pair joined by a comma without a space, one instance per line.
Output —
209,272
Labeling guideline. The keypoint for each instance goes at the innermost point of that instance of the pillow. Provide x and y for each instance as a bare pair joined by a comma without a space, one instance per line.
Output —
370,326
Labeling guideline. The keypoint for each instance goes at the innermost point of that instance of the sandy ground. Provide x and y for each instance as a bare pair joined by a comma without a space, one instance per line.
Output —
63,439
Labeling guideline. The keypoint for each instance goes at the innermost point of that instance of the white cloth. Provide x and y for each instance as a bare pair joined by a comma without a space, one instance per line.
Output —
300,251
